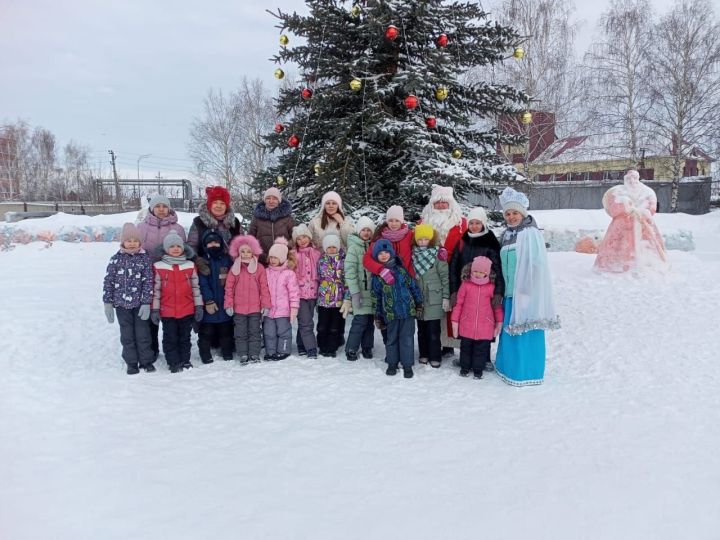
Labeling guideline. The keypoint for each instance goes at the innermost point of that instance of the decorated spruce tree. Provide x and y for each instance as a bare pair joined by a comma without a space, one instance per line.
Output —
380,113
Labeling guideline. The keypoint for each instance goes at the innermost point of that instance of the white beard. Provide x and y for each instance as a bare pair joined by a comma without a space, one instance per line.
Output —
442,221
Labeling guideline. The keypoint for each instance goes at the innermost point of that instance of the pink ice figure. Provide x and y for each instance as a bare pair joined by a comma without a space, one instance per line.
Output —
632,239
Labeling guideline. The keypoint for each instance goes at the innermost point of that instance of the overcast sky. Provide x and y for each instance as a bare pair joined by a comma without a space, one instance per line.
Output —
131,75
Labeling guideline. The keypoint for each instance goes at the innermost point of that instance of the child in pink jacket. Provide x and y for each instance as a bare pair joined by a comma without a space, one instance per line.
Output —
306,270
285,298
247,296
474,319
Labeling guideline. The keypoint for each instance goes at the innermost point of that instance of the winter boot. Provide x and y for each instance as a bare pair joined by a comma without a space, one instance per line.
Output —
448,352
270,357
175,368
149,368
391,370
464,372
367,354
435,363
207,360
489,366
281,356
254,359
244,360
228,357
408,372
312,354
351,355
423,360
132,369
478,375
187,365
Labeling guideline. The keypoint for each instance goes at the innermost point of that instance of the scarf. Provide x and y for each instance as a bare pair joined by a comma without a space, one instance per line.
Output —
174,260
131,251
395,236
509,236
423,259
479,234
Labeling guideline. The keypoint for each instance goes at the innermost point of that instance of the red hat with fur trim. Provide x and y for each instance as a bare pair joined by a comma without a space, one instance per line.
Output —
244,240
217,193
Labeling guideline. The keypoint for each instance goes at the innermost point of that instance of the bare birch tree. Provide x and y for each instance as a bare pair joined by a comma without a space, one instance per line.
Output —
685,81
618,66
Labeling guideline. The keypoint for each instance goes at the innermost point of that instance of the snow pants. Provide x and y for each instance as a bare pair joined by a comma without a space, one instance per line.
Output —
176,340
134,337
278,335
305,335
429,344
474,353
362,333
330,329
222,332
400,346
248,336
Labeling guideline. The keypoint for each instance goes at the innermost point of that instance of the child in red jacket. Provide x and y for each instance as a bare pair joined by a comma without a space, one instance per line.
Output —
474,319
177,301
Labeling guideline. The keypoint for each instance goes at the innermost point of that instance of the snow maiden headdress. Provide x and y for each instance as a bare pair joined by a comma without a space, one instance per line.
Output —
514,200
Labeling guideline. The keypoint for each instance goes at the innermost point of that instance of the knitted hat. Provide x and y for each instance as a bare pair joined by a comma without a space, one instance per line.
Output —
382,245
301,230
129,232
330,240
173,239
332,196
479,214
364,223
279,249
217,193
212,236
159,199
272,192
514,200
481,264
424,231
244,240
395,212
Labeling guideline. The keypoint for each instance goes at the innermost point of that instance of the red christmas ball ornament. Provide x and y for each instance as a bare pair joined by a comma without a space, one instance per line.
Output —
430,122
279,128
392,32
411,102
442,40
294,141
306,93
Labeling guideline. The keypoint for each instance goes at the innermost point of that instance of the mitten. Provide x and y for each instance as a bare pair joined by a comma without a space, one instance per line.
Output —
196,327
293,314
346,308
211,307
379,323
202,266
446,305
155,317
419,311
198,313
110,313
230,311
357,302
387,276
456,329
442,254
453,299
144,312
498,328
496,300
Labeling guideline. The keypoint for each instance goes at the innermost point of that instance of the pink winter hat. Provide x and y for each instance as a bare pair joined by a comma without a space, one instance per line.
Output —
332,196
279,249
272,192
129,232
244,240
481,264
395,212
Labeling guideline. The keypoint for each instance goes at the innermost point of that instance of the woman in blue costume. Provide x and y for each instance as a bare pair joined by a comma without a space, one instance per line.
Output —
528,303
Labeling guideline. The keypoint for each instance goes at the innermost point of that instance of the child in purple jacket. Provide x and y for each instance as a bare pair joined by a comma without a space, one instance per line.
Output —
127,292
331,294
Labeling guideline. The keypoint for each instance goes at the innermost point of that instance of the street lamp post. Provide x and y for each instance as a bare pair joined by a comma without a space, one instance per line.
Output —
138,163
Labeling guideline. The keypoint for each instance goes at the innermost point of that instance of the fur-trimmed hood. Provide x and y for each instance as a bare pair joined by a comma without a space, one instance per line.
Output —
284,209
242,240
465,273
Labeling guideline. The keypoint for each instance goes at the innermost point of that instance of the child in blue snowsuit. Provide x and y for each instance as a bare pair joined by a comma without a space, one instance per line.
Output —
216,323
396,307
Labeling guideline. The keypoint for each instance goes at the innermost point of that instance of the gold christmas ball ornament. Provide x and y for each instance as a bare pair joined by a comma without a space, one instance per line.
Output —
318,169
441,93
355,11
284,40
279,73
526,117
280,180
355,85
457,153
518,53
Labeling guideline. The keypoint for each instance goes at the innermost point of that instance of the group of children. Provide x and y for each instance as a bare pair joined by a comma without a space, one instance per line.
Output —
390,277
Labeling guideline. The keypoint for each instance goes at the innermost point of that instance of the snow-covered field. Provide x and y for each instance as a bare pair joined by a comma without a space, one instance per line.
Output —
621,442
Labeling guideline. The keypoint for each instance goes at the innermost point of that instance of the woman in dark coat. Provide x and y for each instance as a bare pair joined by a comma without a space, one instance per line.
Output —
215,215
271,218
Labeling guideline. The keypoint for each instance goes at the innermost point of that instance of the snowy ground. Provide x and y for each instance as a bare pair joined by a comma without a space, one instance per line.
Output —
621,442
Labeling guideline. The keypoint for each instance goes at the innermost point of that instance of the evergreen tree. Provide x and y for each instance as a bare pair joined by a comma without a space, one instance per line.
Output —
366,141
